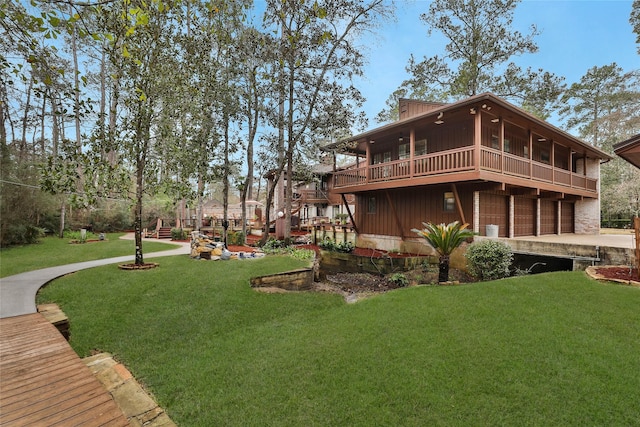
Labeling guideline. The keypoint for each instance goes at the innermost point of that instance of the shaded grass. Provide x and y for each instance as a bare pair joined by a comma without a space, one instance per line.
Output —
550,349
53,251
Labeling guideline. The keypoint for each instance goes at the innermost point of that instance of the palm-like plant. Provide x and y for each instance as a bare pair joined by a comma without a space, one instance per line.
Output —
444,239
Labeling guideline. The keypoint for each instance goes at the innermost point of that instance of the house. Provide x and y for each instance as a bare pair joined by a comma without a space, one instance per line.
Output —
481,161
629,150
313,197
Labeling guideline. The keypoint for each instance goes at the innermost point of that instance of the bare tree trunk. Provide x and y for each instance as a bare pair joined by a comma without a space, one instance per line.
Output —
3,119
55,133
63,209
225,179
43,114
25,120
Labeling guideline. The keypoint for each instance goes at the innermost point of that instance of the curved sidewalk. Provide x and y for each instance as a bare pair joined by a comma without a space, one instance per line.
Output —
18,292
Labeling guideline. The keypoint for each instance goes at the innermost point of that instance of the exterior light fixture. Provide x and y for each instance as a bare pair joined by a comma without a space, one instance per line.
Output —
496,120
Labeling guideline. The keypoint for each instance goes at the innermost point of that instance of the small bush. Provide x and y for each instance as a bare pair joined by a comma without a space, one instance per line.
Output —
76,236
273,246
301,253
20,234
235,238
179,234
329,245
489,259
399,279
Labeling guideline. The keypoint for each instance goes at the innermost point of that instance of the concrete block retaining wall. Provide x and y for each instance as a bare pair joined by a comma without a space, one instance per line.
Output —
336,262
295,280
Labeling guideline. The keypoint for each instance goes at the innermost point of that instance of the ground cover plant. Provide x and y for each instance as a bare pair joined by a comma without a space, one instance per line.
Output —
53,251
550,349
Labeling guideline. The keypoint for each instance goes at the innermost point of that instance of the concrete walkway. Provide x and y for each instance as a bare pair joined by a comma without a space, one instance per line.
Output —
626,241
18,293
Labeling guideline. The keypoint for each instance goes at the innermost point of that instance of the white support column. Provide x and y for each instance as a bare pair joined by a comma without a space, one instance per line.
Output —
476,212
512,216
559,218
538,204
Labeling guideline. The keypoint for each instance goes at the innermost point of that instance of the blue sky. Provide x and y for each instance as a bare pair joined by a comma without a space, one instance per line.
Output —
576,35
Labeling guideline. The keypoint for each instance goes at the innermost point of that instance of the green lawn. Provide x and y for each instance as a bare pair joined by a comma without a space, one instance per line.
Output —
555,349
53,251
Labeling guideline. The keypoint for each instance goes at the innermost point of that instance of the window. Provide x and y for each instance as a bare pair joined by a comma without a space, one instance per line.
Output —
421,147
507,146
495,142
544,156
449,202
381,157
403,151
371,206
526,152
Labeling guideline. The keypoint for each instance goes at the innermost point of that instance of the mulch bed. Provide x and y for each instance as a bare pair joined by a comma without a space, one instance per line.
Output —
624,274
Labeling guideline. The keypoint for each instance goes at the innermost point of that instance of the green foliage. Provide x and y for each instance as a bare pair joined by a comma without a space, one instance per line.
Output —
522,351
20,234
273,246
301,253
78,237
52,251
329,245
399,279
489,259
109,221
475,61
444,238
235,238
179,234
616,223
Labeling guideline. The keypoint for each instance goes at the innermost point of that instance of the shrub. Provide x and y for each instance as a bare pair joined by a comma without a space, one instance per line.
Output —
273,246
76,236
178,234
20,234
399,279
489,259
329,245
235,238
301,253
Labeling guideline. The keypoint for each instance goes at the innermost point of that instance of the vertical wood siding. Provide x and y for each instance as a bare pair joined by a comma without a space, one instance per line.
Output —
413,207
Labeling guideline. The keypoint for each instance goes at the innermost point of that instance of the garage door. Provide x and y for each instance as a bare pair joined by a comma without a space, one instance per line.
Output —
548,213
494,209
524,216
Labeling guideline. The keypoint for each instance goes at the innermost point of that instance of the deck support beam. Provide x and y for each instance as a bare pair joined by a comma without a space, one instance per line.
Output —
454,188
353,220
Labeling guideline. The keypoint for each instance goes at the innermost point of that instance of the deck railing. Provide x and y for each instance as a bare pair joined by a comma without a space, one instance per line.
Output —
312,196
463,159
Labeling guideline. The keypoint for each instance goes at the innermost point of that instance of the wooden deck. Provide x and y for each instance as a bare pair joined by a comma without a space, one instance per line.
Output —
43,382
462,164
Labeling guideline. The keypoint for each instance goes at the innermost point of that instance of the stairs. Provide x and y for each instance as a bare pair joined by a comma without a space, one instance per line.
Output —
164,233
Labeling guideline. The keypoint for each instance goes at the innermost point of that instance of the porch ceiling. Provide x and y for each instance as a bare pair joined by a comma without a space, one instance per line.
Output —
629,150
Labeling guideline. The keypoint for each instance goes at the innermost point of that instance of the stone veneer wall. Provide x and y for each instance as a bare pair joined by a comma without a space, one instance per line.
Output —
587,211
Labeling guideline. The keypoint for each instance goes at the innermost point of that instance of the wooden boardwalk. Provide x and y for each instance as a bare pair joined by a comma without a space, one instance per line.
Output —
43,382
